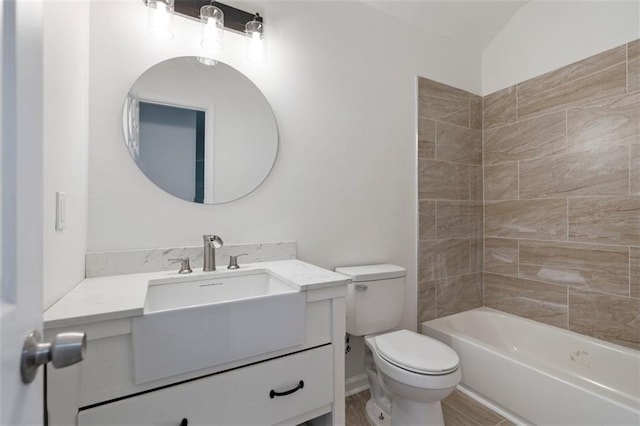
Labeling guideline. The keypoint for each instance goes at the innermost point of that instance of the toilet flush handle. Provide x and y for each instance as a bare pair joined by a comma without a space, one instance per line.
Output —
361,287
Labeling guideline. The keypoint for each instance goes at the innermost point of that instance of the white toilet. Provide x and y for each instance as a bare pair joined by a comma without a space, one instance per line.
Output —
409,373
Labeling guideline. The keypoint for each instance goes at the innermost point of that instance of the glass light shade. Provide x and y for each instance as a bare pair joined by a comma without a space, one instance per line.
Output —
207,61
256,49
212,28
159,18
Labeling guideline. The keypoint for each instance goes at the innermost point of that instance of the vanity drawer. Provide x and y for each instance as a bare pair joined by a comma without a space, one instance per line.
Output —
238,397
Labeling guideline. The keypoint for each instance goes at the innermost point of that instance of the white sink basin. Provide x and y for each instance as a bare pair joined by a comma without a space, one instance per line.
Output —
208,319
207,290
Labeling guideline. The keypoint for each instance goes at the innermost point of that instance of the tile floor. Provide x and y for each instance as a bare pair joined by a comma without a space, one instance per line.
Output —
458,410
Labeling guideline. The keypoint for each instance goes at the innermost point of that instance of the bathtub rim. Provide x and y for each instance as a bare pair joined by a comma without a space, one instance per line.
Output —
594,340
614,396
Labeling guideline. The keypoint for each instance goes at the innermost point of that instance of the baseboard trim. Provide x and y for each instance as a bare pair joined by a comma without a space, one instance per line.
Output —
356,384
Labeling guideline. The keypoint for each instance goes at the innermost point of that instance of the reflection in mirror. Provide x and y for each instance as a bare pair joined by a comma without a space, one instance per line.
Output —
202,133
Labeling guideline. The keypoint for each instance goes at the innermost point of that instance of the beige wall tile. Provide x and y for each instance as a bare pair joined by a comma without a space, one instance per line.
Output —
426,130
456,219
457,294
532,219
534,138
634,66
608,220
577,70
452,111
634,169
598,172
427,219
427,150
613,121
595,267
501,181
542,302
475,183
444,258
634,271
458,144
475,250
426,300
499,108
475,105
609,82
429,87
443,180
606,317
501,256
426,138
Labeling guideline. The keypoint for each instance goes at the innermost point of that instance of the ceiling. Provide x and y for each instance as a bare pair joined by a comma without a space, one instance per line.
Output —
473,23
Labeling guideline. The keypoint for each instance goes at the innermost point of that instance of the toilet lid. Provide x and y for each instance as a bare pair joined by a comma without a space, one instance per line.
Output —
416,352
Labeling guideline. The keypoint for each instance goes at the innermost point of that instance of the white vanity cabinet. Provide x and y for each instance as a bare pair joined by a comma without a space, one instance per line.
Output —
288,386
237,397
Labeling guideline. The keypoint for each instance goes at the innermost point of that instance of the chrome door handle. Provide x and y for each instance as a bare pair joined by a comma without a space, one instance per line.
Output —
67,349
361,287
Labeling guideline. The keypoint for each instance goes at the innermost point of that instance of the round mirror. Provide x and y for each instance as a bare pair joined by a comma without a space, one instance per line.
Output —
201,131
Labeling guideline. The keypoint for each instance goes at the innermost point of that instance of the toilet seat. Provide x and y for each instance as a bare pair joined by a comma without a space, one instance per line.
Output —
416,353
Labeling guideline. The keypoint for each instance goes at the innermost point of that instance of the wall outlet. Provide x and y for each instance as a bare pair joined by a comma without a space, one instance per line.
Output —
61,211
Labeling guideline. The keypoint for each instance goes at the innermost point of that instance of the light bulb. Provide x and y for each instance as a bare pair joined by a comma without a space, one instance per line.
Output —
159,18
255,48
212,24
255,34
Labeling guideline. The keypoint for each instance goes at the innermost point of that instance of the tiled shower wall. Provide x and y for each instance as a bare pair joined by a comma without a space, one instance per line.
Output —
450,200
561,177
562,197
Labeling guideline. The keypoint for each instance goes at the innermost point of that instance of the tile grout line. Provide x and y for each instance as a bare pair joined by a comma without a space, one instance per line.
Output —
518,178
517,106
585,289
566,143
483,198
518,257
469,108
551,242
568,216
568,313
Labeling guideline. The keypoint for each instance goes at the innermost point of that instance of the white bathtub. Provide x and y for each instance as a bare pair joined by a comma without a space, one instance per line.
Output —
539,374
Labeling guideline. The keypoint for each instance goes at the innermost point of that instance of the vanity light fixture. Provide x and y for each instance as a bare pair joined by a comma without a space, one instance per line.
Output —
159,17
214,17
255,32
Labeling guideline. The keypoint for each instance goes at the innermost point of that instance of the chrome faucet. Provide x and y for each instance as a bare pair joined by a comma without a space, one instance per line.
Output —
211,243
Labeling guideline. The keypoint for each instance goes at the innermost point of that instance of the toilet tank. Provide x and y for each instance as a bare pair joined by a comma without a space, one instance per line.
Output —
375,298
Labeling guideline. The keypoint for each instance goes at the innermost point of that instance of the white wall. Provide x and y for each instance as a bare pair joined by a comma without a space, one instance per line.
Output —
548,34
344,182
66,134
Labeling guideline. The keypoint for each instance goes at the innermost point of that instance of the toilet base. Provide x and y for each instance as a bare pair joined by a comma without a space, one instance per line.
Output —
407,413
375,415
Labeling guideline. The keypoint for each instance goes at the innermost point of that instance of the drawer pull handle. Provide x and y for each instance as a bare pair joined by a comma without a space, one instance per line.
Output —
273,393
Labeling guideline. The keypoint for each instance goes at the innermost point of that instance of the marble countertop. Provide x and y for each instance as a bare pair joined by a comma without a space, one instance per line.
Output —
123,296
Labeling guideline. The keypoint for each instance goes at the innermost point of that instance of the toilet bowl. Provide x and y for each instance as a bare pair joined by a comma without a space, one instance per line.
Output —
416,372
408,373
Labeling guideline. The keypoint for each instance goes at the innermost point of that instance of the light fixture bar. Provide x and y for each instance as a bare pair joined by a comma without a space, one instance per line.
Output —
234,19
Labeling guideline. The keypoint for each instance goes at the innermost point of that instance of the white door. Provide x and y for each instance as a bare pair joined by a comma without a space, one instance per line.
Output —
21,199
